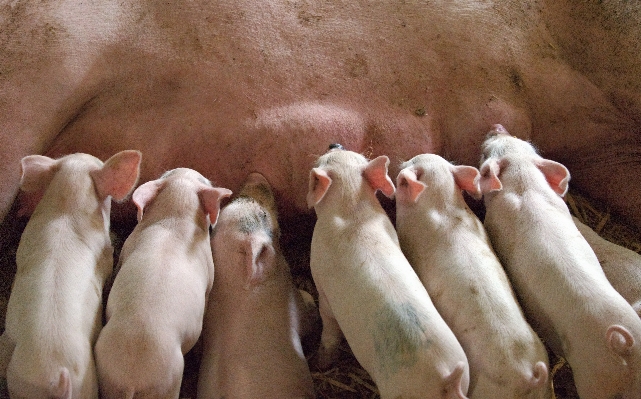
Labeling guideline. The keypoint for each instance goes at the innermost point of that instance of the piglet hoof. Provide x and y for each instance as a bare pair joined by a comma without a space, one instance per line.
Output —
325,358
619,340
310,319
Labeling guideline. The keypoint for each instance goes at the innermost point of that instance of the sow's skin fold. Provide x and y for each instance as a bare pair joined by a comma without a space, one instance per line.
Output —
368,290
255,315
156,305
449,250
563,290
65,255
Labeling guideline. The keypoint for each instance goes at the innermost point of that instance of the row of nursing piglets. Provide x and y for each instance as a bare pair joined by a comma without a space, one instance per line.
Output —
430,312
253,318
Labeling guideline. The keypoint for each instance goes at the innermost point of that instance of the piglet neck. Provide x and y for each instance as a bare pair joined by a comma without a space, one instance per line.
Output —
348,203
176,210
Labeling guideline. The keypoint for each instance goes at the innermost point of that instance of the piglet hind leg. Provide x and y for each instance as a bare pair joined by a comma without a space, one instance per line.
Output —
309,316
331,337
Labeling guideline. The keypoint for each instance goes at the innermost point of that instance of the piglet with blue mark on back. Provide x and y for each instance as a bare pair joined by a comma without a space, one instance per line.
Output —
448,247
368,290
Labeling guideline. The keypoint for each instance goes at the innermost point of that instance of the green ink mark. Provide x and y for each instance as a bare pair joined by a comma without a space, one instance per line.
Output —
399,335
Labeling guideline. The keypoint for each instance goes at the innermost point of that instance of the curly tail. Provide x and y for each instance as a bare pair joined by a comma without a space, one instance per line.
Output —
620,340
63,388
539,375
453,384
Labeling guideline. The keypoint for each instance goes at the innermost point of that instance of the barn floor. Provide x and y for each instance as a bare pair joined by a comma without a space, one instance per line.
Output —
347,379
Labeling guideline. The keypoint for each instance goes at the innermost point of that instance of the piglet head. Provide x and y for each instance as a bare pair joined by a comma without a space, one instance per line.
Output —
500,150
431,169
116,177
209,196
374,172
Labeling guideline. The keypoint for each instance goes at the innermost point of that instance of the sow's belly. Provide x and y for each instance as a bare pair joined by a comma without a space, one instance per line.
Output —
228,89
228,141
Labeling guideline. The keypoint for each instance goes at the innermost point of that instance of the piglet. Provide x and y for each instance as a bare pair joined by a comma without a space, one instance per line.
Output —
621,266
63,260
156,304
252,330
562,288
368,290
448,247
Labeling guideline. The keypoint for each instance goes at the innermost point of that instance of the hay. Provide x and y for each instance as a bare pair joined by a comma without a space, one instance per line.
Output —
346,379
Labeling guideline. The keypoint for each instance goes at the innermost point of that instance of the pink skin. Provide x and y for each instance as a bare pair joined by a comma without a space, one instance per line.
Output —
65,255
156,305
563,289
255,315
368,291
227,88
448,248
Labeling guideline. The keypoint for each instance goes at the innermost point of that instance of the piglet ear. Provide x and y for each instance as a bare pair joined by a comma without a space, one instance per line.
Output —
376,175
490,171
210,198
319,182
409,187
467,178
260,263
118,175
145,194
556,174
37,172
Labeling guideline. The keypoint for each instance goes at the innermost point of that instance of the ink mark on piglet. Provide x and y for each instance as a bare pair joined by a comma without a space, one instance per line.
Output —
399,336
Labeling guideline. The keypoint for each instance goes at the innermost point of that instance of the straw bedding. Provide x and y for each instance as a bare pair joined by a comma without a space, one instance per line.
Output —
346,379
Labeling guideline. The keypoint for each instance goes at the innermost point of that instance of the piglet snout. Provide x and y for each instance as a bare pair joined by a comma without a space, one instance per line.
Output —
496,130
